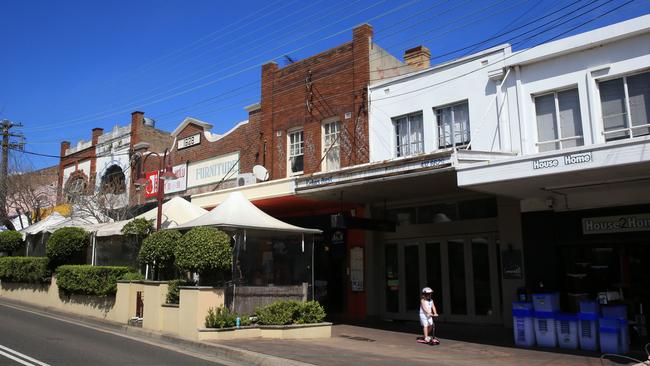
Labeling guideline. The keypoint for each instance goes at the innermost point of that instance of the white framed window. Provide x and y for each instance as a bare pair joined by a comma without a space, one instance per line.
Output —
331,145
559,123
453,125
625,106
296,146
409,134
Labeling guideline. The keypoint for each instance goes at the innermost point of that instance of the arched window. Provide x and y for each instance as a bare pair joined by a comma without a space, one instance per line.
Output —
113,180
75,188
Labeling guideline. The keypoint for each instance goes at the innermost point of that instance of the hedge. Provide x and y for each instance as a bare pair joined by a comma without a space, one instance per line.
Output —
221,317
202,249
24,269
89,280
286,312
10,241
174,291
65,244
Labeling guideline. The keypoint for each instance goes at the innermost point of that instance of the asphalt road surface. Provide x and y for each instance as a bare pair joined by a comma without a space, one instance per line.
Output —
28,338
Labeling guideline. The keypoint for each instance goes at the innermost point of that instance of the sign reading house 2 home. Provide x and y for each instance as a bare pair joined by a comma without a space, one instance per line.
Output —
565,160
212,170
616,224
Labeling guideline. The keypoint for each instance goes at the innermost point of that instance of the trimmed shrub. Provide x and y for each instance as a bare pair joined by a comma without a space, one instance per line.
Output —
65,245
159,248
89,280
221,317
132,276
24,269
202,249
310,312
285,312
138,227
174,291
10,241
281,312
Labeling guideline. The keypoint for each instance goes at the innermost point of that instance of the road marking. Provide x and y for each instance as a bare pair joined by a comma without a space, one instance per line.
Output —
12,353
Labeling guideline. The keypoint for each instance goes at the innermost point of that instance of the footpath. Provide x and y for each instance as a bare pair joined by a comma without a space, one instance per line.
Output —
385,343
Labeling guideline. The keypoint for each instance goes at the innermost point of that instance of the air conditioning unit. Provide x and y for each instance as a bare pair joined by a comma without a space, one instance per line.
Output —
245,179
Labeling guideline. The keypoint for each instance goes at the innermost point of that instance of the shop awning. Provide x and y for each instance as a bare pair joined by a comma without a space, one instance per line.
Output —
175,212
239,213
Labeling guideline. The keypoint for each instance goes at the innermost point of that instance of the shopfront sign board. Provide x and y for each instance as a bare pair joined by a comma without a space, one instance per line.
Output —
616,224
356,269
212,170
171,186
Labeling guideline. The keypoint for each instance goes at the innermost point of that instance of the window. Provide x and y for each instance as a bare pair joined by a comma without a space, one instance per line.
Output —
625,104
331,146
296,151
113,181
559,124
409,134
453,125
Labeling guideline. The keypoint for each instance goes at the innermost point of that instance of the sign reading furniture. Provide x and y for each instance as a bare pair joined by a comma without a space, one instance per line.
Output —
616,224
212,170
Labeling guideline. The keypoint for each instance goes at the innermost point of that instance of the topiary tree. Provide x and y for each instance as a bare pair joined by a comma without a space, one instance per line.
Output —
204,249
157,249
138,227
10,241
66,245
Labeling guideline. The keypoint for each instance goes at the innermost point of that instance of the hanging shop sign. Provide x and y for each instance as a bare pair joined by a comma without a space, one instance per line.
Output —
212,170
616,224
356,269
171,186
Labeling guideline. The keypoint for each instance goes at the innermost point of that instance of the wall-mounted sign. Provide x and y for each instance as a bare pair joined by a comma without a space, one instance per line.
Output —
356,268
564,160
189,141
616,224
511,262
171,186
212,170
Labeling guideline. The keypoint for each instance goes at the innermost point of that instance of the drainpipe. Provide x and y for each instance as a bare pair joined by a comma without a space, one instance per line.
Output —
520,112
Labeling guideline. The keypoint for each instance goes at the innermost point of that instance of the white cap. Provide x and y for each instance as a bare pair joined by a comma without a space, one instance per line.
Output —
427,290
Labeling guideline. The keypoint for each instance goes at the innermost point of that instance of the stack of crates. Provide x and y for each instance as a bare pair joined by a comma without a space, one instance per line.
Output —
614,333
588,325
546,306
567,330
522,319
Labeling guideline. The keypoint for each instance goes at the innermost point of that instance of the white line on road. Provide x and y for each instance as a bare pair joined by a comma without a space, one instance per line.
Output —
12,353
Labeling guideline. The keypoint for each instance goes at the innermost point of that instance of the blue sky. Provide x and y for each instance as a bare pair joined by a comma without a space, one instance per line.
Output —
69,66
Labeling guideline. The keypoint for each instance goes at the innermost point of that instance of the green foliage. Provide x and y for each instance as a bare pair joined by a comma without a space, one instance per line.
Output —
221,317
159,247
66,244
138,227
89,280
310,312
132,276
202,249
23,269
174,291
286,312
281,312
10,241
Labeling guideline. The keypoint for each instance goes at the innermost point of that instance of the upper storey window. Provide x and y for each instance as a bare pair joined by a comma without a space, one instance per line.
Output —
331,145
625,105
559,124
296,151
453,125
409,134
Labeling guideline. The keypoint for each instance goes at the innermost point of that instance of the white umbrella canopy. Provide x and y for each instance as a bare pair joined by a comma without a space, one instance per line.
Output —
43,225
175,212
239,213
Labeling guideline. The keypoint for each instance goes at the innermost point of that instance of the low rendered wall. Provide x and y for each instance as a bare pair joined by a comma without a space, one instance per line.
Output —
48,295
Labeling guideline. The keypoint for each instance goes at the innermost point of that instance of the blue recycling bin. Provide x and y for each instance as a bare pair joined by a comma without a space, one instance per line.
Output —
589,307
523,327
545,328
614,311
546,302
588,331
566,326
610,335
625,335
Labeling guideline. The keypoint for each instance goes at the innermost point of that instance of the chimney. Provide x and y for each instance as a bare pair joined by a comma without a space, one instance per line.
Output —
96,133
137,122
65,145
419,58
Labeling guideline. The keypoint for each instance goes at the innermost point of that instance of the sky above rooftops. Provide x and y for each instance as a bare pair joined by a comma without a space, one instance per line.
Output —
70,66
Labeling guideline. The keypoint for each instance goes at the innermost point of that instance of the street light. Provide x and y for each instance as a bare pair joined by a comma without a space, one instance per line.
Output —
165,172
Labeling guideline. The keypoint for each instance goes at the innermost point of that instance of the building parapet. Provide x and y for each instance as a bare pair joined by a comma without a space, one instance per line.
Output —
81,145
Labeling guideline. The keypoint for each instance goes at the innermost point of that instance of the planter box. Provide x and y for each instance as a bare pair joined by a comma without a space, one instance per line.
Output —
225,334
297,331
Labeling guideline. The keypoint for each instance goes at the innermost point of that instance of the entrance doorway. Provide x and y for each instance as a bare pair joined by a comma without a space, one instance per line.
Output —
463,272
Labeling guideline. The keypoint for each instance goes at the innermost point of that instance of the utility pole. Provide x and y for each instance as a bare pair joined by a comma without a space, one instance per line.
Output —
6,126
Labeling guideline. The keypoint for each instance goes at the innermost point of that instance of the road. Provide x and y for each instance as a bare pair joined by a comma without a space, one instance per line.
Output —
29,338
